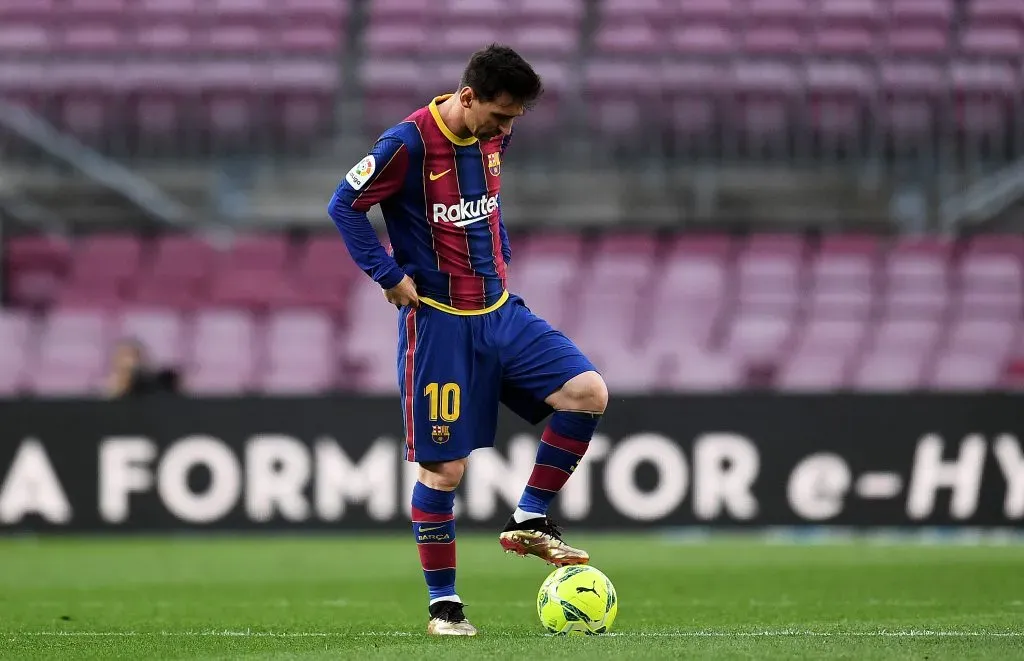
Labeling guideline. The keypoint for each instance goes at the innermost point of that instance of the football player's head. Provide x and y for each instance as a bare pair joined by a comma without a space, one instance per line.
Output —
497,86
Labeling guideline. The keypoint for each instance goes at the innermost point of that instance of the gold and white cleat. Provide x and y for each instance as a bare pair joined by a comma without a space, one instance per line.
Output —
447,619
542,538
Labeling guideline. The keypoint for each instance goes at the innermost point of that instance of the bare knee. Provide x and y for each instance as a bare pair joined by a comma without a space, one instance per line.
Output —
442,475
583,392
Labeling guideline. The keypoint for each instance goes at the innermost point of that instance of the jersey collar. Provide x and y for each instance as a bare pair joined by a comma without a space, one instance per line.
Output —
454,139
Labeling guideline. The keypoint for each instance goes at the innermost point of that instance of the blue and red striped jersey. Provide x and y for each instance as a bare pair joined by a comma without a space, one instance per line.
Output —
439,195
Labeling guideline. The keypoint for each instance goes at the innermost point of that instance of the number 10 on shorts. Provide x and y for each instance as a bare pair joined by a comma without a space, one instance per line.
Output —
444,401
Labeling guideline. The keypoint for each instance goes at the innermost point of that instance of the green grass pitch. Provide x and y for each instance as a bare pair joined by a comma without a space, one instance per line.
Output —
363,598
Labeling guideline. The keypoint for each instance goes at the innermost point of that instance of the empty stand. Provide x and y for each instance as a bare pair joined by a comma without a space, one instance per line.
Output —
692,312
151,70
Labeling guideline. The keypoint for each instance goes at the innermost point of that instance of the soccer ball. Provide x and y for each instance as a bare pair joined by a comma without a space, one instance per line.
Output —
577,600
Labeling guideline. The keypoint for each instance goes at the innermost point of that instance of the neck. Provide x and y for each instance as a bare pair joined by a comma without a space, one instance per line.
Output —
451,115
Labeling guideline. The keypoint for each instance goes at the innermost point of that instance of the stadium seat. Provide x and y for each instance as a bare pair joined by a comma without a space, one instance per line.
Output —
160,331
544,41
702,39
991,281
72,354
995,12
705,372
630,371
792,12
723,12
59,380
837,337
995,337
35,267
889,371
917,277
758,338
24,39
226,378
29,10
864,13
593,328
773,40
375,336
966,371
930,13
569,13
623,263
392,40
267,252
911,335
17,335
770,271
299,336
106,262
993,42
297,378
633,38
807,370
917,41
222,341
182,259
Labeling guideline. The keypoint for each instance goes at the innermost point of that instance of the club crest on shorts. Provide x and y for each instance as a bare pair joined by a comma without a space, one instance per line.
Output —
494,163
440,433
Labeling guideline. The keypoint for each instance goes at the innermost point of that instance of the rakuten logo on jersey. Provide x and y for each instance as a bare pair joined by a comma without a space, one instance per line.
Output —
466,212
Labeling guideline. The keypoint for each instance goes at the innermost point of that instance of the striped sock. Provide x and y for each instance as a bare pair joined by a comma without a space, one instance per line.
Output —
433,525
562,445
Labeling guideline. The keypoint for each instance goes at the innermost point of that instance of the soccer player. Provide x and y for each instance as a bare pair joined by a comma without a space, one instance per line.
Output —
465,342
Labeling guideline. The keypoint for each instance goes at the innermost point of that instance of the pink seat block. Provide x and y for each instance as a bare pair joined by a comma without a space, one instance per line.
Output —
812,371
630,371
966,371
702,372
217,380
299,379
888,370
759,339
161,331
837,337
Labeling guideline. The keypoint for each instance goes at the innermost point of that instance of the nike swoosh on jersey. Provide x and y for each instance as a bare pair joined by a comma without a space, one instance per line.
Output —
429,529
435,177
470,221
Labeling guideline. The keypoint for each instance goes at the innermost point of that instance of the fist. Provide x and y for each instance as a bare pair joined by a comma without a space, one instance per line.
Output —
402,294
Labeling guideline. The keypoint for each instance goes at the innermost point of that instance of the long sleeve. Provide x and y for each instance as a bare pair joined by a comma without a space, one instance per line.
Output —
506,247
374,179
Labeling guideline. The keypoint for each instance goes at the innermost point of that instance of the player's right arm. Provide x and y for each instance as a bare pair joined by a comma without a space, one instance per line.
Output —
375,178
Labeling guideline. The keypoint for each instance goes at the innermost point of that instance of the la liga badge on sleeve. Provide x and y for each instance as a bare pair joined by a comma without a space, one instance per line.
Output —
361,172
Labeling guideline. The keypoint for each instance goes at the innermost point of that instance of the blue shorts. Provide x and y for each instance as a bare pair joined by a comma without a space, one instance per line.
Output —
453,370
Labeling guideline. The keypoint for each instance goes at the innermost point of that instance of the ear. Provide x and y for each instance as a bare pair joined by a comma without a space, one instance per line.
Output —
466,97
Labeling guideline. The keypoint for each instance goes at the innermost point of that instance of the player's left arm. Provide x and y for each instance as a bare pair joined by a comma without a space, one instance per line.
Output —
506,247
374,179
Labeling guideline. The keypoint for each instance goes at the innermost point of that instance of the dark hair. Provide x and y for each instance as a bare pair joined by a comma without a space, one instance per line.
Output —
497,69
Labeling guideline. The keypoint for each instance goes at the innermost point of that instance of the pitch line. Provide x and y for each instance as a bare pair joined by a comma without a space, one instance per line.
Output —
776,633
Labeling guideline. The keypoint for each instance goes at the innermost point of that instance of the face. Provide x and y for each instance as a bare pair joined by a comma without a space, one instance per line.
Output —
127,357
489,119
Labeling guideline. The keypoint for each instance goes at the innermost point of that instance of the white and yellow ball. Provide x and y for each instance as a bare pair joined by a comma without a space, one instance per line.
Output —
577,600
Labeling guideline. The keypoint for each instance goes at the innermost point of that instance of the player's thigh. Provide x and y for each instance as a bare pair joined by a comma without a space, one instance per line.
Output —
447,407
537,361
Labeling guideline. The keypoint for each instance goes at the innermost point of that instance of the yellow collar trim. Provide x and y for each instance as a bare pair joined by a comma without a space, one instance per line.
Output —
465,313
454,139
